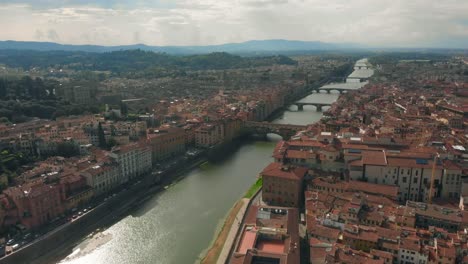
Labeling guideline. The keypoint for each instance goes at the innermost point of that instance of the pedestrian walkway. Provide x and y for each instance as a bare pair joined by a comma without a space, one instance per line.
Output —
231,238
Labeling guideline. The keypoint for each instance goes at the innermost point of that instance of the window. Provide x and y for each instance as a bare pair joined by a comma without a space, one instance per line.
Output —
415,180
404,179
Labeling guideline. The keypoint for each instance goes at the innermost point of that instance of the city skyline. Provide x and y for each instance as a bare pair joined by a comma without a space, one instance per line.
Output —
206,22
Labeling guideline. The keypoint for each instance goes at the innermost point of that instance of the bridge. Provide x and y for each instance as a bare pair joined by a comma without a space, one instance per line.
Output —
318,106
284,130
340,87
328,90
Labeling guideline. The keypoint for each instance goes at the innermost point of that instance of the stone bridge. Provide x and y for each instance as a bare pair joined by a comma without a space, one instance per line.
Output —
329,89
318,106
284,130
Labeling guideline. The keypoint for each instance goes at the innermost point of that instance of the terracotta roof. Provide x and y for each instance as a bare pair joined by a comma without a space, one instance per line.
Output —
324,232
378,189
298,154
276,169
374,158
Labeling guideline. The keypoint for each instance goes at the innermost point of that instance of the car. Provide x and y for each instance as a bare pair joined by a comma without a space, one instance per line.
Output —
74,216
15,247
80,213
85,210
114,195
10,242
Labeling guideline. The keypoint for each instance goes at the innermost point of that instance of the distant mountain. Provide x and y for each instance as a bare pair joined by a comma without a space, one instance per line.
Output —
253,46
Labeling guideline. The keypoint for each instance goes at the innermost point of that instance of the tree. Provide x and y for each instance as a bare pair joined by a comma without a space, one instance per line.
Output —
67,149
111,143
123,108
101,137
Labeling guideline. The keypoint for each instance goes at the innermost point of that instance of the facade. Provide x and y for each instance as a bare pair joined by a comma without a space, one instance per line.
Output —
76,191
209,135
133,160
103,178
411,174
78,94
166,142
282,185
437,216
36,203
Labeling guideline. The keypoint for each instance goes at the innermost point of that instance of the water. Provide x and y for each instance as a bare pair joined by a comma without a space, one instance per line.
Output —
177,225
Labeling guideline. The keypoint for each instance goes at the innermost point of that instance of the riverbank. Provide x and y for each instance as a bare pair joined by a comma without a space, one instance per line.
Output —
215,249
65,237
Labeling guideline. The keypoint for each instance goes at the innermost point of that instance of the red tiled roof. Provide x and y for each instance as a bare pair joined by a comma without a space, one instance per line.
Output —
374,158
379,189
276,169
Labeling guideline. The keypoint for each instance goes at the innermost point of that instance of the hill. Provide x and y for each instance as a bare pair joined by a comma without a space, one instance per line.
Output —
253,46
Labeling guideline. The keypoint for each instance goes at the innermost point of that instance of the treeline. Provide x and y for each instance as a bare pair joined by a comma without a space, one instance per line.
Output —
27,88
23,98
394,57
130,62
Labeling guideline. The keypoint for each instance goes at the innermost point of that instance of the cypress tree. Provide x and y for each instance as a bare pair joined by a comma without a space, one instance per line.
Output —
101,137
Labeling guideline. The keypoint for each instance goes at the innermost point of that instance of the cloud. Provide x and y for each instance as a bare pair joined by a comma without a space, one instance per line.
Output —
200,22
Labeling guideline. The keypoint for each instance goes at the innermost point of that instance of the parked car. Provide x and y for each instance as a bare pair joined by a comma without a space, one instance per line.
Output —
10,242
15,247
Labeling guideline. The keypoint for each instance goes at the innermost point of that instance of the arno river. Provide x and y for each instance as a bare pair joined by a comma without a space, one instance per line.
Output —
177,225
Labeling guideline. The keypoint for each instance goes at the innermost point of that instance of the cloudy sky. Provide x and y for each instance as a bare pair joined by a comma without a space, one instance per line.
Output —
402,23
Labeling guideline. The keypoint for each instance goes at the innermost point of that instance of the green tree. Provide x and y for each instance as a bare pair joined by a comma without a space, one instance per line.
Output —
111,143
67,149
101,137
123,108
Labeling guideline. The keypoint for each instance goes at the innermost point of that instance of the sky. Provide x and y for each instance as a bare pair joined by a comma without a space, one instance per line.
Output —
384,23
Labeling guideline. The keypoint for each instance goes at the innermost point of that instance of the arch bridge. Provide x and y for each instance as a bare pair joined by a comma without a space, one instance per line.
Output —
329,89
284,130
318,106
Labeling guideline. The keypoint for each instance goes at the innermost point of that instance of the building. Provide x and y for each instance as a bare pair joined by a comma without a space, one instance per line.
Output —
282,184
134,160
433,215
35,203
78,94
270,235
166,142
76,192
103,178
209,135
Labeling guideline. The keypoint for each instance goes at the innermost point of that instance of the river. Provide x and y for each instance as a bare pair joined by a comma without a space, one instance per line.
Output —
177,225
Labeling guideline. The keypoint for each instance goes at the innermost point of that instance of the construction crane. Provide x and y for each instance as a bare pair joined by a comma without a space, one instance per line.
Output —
431,189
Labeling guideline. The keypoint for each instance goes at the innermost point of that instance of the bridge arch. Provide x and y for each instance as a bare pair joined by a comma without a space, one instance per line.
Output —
264,128
318,106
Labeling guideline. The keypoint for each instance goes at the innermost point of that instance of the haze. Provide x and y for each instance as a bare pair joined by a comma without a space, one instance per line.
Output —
378,23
